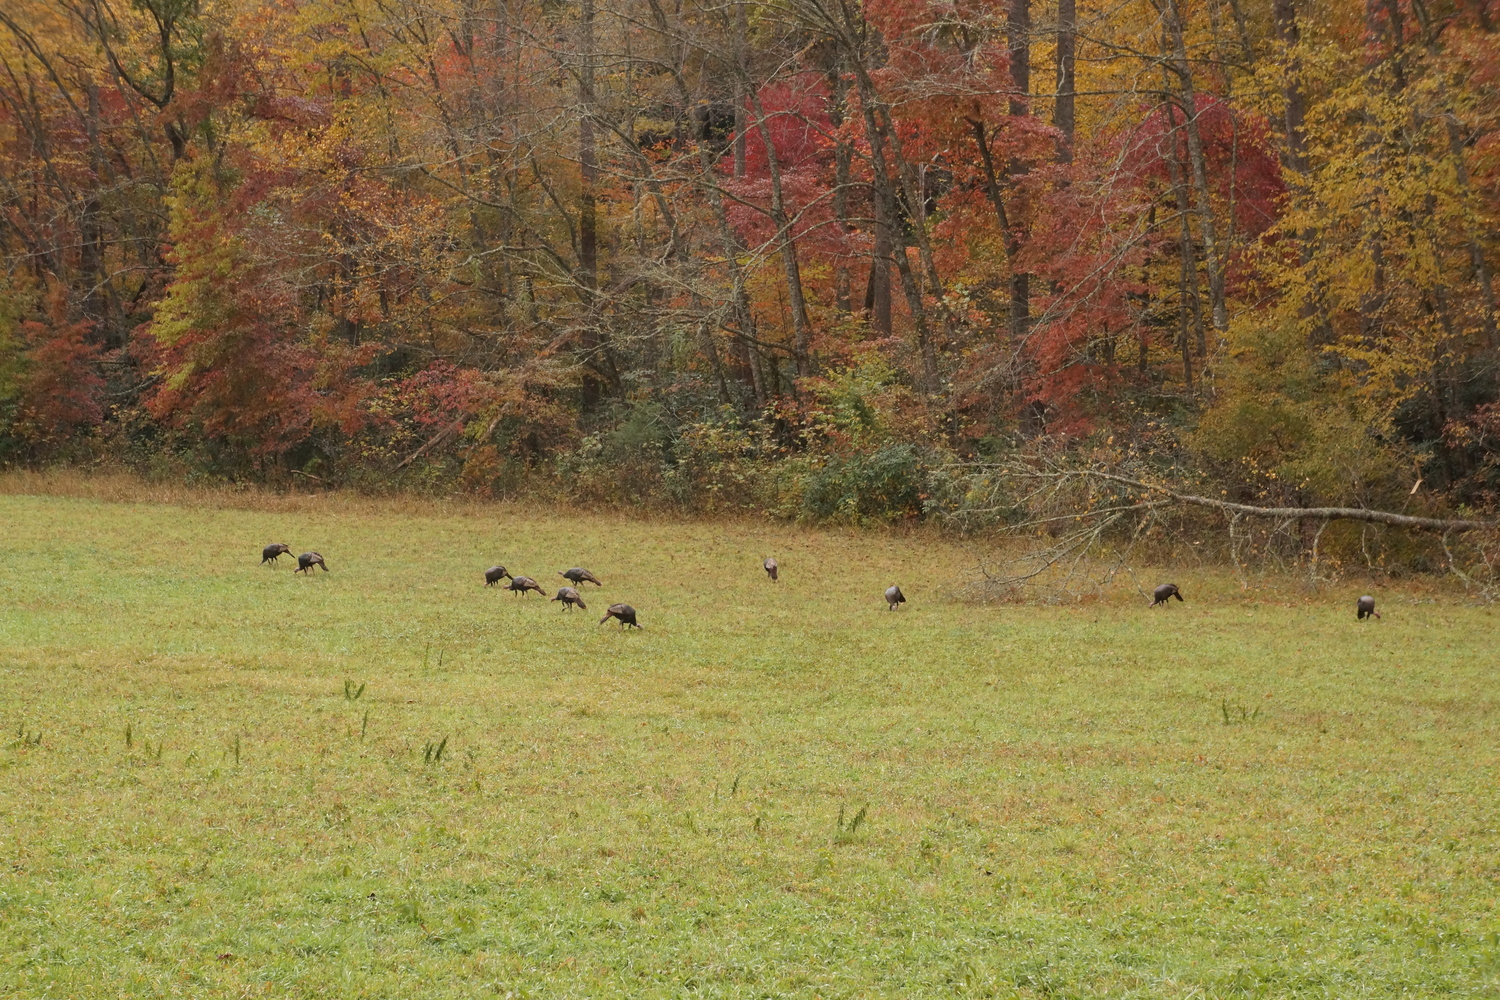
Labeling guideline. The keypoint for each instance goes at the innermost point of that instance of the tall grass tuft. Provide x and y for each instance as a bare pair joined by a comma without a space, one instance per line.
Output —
409,910
846,834
1239,714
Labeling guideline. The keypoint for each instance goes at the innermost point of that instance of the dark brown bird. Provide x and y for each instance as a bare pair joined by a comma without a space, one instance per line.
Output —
1366,608
307,560
521,584
624,612
494,575
271,553
770,567
570,597
1164,593
577,575
893,596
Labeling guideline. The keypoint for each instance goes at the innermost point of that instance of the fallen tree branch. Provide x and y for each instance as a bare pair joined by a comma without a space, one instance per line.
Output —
1282,513
1070,520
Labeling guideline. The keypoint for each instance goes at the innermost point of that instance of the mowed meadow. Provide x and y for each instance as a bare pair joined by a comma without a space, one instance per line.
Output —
221,779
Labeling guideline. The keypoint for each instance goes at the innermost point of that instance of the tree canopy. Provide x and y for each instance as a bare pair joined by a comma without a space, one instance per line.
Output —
466,240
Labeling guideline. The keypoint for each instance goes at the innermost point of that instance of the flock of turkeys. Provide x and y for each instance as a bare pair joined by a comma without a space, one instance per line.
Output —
625,614
569,596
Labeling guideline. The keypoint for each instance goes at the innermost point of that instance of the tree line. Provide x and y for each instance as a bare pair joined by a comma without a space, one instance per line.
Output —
793,254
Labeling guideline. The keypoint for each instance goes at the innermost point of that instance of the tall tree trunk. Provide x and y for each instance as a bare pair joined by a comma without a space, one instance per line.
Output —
878,285
1396,28
1482,276
1294,153
742,75
91,229
1008,236
1372,303
588,235
1211,259
801,325
1064,111
912,188
843,160
1018,40
1290,34
1188,274
885,144
710,348
1189,304
1143,341
1242,32
885,220
1018,43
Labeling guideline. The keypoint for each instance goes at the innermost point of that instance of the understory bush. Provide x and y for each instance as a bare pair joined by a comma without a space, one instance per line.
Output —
886,484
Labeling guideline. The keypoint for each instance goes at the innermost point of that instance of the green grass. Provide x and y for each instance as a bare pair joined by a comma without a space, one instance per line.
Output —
768,791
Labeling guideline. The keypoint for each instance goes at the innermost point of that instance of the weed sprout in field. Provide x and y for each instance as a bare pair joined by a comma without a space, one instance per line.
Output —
846,834
1239,714
409,910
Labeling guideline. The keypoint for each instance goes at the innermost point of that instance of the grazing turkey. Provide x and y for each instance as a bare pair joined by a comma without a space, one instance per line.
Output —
624,612
1366,608
577,575
1164,593
569,597
307,560
521,584
893,596
271,553
770,567
494,575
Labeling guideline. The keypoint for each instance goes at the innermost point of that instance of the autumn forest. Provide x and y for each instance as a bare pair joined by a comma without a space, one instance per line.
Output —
799,256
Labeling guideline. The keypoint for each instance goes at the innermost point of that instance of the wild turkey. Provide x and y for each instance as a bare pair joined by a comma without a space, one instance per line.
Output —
271,553
770,567
1366,608
577,575
521,584
570,597
1164,593
307,560
893,596
624,612
494,575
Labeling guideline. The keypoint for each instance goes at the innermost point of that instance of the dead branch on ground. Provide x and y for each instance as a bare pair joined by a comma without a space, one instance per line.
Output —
1080,526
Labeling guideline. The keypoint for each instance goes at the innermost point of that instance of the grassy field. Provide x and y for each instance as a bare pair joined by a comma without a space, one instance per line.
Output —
768,791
